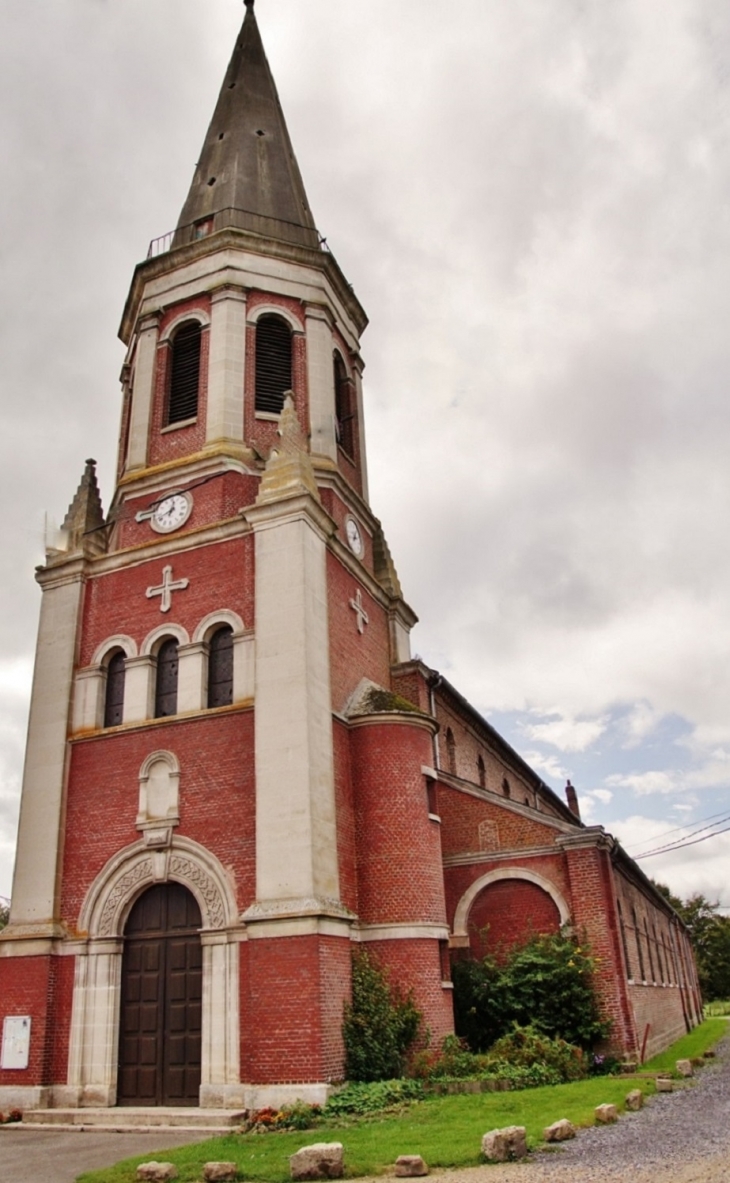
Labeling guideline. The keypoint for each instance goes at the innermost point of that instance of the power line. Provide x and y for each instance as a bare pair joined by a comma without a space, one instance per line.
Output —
683,840
681,845
664,833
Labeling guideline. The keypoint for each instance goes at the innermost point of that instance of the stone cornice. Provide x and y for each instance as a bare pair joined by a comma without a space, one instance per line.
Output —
470,858
415,718
290,508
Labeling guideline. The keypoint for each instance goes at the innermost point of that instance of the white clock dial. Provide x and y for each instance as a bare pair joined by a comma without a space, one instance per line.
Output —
171,513
354,537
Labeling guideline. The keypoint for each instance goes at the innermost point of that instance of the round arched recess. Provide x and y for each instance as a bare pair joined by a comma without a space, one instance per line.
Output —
94,1042
463,908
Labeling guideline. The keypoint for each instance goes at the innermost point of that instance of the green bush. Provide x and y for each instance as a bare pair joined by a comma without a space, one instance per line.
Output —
380,1024
359,1099
524,1058
525,1047
546,984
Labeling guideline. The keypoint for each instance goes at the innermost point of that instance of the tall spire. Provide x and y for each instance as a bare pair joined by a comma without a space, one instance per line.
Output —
247,175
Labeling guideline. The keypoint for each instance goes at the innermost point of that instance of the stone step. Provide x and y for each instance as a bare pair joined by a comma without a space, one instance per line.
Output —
133,1117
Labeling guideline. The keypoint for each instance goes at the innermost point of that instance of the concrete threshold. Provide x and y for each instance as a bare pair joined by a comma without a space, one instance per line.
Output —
133,1119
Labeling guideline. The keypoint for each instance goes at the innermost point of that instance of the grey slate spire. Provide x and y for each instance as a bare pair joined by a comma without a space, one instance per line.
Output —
247,176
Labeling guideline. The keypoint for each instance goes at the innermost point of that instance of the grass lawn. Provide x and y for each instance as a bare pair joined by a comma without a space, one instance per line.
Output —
447,1131
698,1041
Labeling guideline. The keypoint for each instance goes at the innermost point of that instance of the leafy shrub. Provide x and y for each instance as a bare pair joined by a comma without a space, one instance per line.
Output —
380,1024
546,983
361,1098
525,1047
524,1058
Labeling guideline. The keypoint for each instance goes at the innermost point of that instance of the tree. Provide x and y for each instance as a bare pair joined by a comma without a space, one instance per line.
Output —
4,912
710,936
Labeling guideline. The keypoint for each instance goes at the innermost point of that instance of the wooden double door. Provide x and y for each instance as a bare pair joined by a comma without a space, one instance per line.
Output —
161,1003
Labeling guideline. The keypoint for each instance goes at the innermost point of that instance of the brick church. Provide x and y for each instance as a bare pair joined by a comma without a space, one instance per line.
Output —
235,771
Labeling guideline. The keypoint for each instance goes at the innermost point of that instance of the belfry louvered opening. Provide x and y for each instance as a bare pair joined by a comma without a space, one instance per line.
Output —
273,363
344,413
184,373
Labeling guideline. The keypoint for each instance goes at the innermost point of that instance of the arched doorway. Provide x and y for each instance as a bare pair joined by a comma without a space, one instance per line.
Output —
161,1000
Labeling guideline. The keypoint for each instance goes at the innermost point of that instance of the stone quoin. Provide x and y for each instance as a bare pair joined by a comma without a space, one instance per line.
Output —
236,772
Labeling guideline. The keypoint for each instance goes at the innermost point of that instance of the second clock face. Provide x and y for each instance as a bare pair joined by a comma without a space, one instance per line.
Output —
354,537
171,513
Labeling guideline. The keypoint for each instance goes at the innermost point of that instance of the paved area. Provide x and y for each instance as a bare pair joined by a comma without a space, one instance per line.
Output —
59,1156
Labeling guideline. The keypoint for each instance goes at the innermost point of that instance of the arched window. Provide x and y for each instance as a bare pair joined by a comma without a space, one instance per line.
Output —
344,412
114,695
506,787
166,681
450,752
273,363
481,772
182,401
220,667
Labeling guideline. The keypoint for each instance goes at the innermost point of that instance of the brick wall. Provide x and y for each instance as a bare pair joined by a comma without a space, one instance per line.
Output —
221,576
217,797
398,846
508,913
416,965
293,993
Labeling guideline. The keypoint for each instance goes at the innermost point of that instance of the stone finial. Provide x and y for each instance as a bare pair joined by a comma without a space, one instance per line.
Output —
82,528
506,1144
559,1131
321,1160
634,1100
606,1114
289,469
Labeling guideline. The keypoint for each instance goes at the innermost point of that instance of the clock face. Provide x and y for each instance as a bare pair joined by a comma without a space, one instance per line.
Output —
354,537
171,513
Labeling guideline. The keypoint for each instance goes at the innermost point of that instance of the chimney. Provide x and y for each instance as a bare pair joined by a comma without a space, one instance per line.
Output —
572,798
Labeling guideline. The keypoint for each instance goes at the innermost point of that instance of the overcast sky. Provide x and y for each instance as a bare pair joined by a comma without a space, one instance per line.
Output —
531,200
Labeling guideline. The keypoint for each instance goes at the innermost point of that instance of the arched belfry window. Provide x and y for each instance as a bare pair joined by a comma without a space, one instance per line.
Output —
166,679
184,387
220,667
344,410
273,363
114,695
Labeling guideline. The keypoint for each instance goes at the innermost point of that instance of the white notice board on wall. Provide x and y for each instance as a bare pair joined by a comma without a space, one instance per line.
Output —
16,1042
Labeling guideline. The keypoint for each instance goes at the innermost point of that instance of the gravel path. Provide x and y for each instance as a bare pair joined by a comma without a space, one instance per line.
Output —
679,1137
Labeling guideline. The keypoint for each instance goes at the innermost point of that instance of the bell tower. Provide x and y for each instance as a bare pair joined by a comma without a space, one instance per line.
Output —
213,734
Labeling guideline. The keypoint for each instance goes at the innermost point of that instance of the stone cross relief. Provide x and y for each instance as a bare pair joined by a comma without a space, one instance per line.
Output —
362,616
166,588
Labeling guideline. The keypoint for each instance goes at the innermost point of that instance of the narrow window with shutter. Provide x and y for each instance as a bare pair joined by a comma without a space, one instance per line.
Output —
114,697
166,681
220,667
344,414
184,386
273,364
